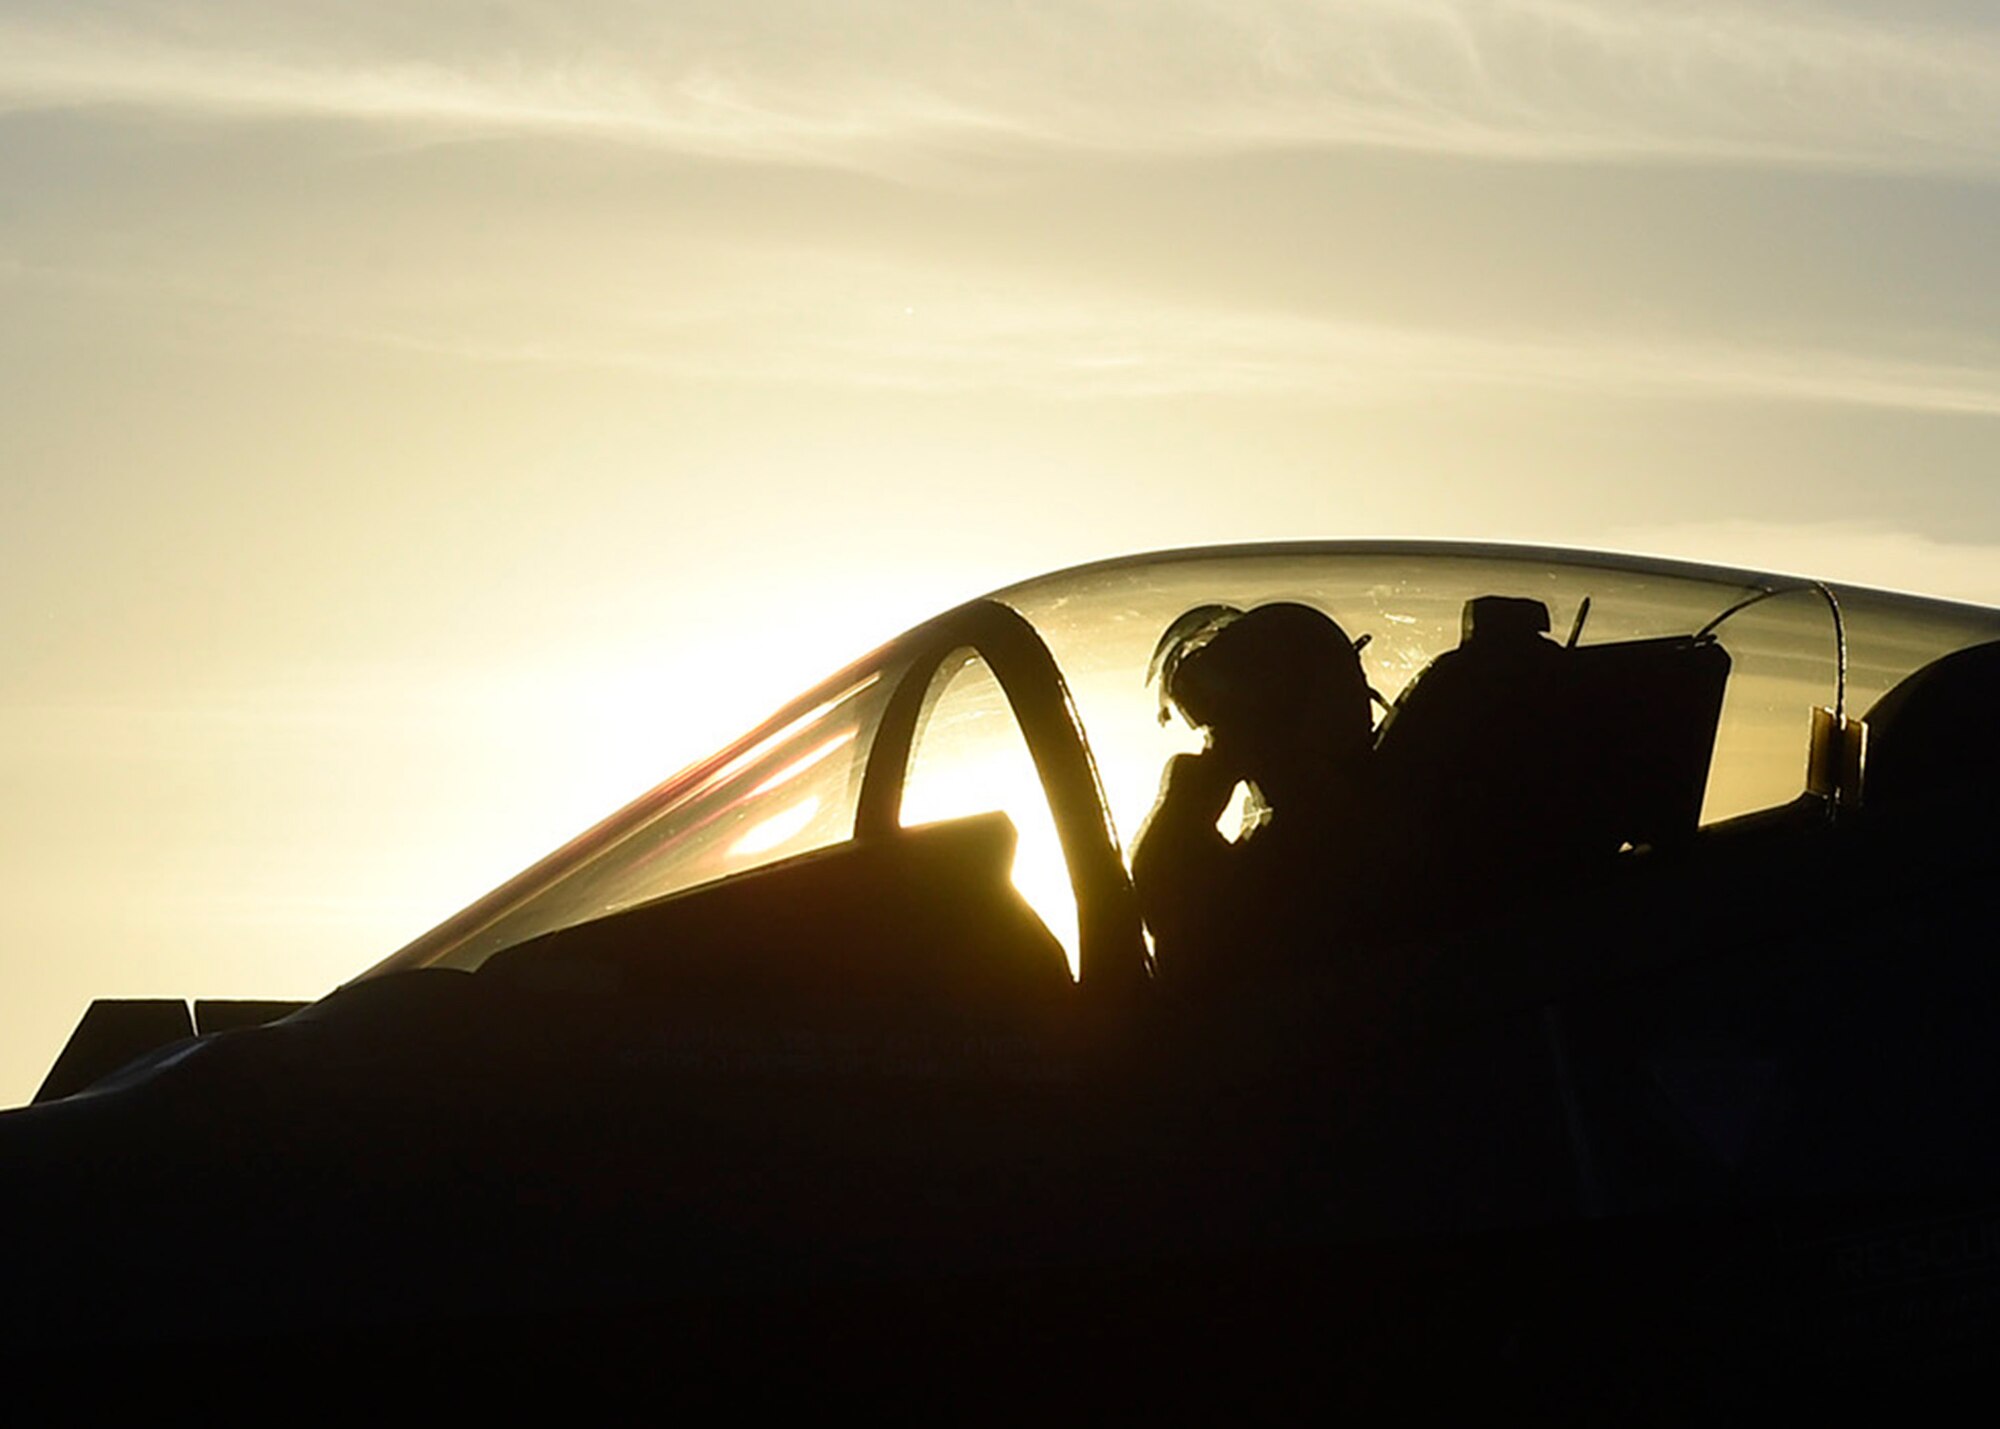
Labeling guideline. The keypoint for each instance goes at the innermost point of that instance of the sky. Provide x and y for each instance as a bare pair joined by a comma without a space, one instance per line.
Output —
423,427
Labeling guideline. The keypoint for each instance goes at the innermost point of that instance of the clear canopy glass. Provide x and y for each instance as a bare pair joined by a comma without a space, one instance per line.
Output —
795,784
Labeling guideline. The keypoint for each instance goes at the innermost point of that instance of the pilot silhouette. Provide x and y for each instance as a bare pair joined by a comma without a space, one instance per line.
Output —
1280,695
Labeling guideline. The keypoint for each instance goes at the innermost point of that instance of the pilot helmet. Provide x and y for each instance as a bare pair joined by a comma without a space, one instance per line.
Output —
1260,667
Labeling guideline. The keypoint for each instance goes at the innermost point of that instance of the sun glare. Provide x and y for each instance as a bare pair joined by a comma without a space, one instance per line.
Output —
971,758
1010,785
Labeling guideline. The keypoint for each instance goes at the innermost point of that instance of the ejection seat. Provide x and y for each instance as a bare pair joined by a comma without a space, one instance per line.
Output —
1514,763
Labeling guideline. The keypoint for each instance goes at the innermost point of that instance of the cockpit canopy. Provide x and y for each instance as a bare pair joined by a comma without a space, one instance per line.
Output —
1036,702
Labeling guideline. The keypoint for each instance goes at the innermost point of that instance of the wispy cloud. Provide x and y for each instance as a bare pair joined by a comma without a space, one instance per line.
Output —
1073,346
814,320
896,82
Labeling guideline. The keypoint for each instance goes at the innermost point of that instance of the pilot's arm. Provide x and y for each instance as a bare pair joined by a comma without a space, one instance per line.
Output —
1183,869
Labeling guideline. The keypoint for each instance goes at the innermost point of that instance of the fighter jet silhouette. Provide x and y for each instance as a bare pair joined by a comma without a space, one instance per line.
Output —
1538,976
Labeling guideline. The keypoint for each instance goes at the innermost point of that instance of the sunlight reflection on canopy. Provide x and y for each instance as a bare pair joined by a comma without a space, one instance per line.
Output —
786,824
801,765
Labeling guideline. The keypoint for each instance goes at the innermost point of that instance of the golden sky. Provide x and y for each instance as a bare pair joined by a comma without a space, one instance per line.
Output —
424,426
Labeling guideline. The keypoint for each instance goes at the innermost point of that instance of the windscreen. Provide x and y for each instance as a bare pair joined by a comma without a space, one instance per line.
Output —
788,787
